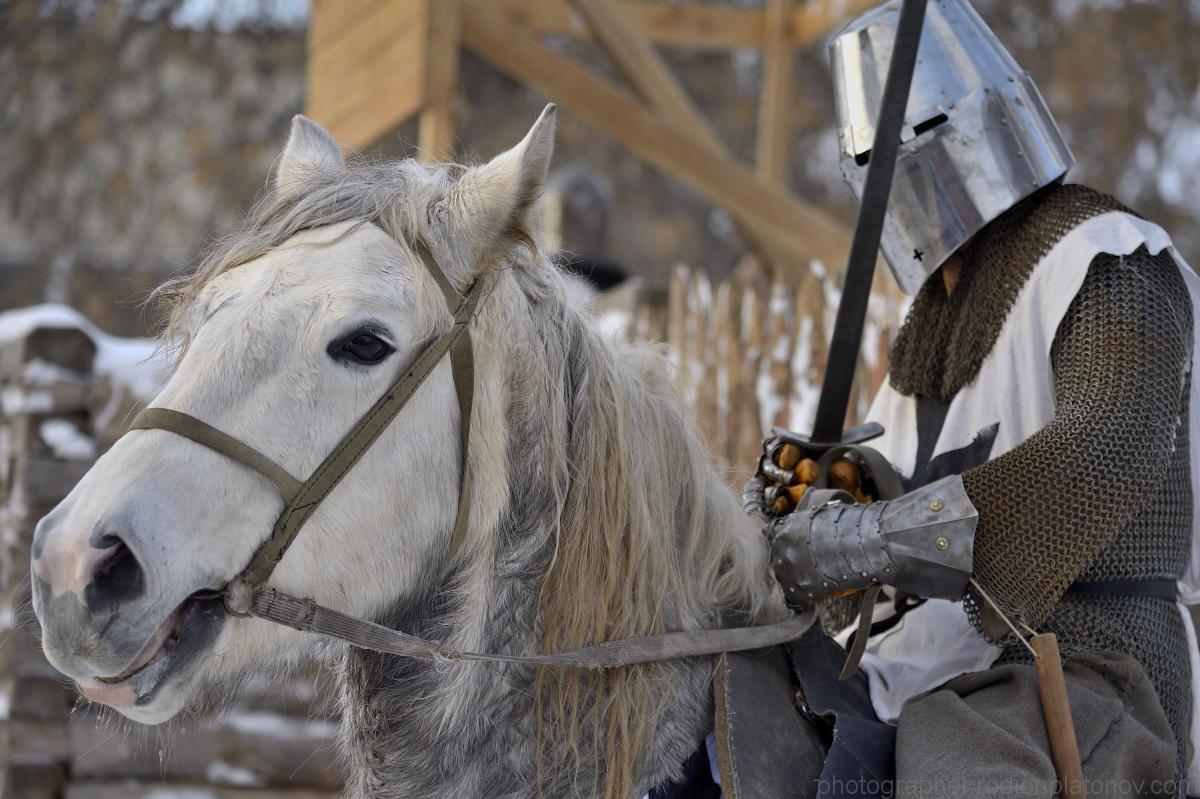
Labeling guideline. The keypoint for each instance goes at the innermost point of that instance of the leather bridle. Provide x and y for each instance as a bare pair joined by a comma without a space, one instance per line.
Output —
249,595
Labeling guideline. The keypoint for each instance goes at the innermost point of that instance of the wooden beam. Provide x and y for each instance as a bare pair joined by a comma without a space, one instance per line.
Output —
652,79
367,58
774,109
689,26
817,18
436,131
368,76
330,18
699,26
797,231
642,67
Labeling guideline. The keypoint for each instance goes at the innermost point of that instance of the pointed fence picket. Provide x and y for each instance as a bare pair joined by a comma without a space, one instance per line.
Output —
750,355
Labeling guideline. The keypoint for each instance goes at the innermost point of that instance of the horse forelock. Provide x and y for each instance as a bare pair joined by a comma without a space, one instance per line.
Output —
394,195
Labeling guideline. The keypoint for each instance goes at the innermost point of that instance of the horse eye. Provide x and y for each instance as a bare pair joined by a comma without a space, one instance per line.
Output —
364,348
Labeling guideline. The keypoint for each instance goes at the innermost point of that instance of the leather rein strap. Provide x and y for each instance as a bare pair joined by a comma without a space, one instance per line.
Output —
248,594
307,616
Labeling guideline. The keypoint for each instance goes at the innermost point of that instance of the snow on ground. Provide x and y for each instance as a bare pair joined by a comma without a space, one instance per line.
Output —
224,773
40,373
16,401
18,323
132,364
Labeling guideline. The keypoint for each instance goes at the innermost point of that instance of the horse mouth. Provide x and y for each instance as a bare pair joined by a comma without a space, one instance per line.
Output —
161,644
170,650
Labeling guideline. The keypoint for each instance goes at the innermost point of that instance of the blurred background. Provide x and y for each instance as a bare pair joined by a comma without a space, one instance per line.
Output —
695,189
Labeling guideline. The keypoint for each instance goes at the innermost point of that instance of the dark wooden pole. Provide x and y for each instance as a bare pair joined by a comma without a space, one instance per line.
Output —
1064,750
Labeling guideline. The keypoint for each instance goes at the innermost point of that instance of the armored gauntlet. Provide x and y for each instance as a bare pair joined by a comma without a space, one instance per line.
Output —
920,543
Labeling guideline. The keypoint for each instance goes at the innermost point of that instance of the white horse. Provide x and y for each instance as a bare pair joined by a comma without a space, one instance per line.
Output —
595,513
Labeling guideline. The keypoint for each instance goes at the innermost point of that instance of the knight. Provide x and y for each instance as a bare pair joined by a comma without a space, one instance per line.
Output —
1038,414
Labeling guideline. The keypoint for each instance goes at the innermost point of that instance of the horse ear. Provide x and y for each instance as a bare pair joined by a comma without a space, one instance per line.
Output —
490,200
310,151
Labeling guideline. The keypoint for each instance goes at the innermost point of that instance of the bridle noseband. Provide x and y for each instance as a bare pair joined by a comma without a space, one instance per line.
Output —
248,593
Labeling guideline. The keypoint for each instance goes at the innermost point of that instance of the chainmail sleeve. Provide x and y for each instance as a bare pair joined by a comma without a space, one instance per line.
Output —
1050,507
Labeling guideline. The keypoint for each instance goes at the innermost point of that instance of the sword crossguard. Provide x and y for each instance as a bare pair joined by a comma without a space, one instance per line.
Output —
815,447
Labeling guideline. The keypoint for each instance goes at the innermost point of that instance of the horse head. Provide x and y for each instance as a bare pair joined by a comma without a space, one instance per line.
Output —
284,352
595,514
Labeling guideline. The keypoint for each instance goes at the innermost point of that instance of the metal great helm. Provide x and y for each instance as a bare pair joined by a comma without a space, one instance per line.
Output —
977,135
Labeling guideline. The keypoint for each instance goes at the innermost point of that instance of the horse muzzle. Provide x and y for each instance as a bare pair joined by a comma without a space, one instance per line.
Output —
131,666
125,647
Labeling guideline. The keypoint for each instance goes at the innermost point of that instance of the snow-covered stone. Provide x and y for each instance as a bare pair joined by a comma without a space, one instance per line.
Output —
66,441
136,365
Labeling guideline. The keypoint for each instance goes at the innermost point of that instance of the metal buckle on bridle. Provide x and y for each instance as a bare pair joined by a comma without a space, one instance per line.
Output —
235,596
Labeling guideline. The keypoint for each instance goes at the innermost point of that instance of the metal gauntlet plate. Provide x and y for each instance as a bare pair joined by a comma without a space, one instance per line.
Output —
921,543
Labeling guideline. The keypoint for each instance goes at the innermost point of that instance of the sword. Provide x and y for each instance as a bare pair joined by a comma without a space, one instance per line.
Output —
834,401
828,435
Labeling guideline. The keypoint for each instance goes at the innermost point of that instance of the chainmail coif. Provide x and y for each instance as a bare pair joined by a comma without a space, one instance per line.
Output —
945,339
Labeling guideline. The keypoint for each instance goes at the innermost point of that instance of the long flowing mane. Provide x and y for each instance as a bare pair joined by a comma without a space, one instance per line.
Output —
643,535
647,540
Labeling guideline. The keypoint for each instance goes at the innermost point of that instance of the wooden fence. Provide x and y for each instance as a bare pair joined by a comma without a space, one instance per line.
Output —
750,354
56,415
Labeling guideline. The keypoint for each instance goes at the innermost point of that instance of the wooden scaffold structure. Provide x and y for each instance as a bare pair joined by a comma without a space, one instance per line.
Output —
749,353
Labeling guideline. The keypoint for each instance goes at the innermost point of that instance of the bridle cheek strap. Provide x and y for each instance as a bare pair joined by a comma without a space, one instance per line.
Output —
301,499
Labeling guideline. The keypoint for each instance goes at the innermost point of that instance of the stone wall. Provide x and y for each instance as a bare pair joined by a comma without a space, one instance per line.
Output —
128,140
57,412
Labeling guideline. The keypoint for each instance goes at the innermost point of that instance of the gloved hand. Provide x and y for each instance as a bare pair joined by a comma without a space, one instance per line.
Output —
784,476
921,543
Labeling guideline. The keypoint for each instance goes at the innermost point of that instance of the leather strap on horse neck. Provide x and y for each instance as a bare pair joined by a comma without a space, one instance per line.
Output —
306,615
301,499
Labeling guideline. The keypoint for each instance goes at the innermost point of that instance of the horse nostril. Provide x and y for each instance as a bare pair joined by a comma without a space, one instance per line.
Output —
118,576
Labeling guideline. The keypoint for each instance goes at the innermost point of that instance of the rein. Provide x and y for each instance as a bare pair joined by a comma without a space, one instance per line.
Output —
249,595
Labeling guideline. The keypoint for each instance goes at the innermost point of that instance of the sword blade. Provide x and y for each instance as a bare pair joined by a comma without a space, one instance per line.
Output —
860,268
